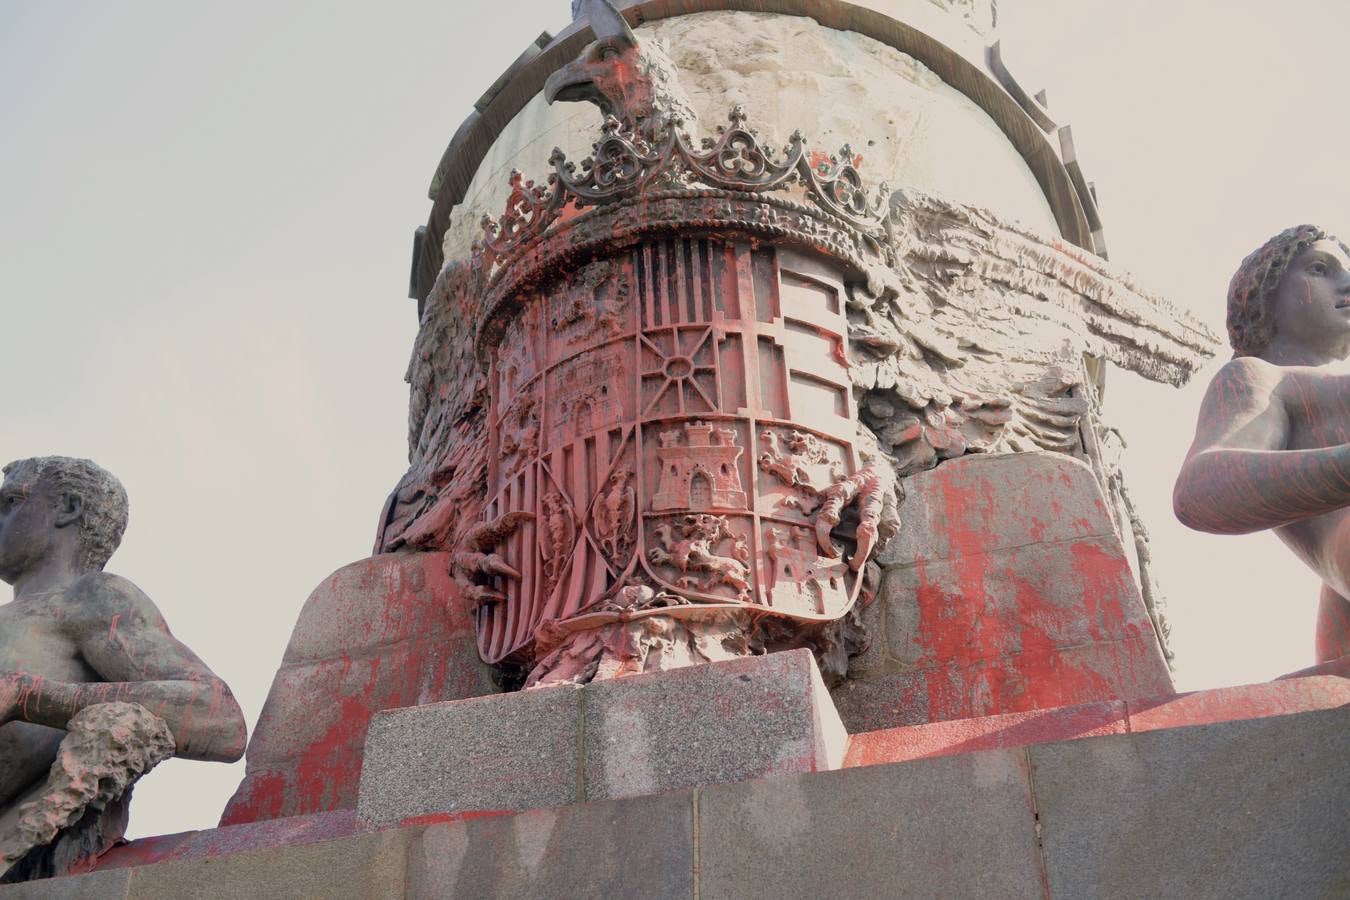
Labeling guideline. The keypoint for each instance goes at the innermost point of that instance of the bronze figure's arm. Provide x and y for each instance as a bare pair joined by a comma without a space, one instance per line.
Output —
1238,476
122,636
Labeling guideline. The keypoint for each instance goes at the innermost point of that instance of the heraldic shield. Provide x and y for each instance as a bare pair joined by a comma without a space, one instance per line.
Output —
669,418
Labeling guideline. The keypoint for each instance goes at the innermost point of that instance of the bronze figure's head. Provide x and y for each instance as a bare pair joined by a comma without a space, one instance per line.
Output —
56,504
1254,310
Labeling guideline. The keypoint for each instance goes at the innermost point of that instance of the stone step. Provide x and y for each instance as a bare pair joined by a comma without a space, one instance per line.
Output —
736,720
1250,808
1228,704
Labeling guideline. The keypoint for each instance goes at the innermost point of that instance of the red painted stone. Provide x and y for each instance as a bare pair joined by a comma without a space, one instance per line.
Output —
444,818
1285,697
1230,704
144,851
226,841
1339,667
986,733
1006,590
381,633
1249,701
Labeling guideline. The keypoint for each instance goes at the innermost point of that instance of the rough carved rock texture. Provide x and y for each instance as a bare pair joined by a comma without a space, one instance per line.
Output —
384,632
649,643
81,810
790,72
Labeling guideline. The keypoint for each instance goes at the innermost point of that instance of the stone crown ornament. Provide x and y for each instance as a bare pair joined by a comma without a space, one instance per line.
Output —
625,165
635,184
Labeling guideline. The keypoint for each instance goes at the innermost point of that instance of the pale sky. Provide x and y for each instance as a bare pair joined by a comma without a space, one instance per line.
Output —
206,212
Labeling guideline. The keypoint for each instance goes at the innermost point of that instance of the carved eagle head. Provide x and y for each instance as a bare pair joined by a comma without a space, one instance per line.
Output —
634,81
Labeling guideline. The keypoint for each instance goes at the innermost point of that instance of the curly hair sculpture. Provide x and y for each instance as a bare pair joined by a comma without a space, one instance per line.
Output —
105,501
1251,324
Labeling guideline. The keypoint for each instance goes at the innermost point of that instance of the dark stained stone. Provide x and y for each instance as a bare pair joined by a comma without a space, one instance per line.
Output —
951,827
627,848
1255,808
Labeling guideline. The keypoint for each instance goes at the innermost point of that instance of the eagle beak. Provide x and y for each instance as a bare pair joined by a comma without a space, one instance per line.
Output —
567,85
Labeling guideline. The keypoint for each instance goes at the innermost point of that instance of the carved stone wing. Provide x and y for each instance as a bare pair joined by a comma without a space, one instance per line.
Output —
979,342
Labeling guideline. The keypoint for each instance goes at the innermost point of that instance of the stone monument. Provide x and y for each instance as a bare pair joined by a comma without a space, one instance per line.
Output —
762,534
94,690
1272,448
680,399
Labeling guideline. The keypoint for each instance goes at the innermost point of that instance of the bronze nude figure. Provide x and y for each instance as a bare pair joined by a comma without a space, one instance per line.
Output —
1272,446
80,647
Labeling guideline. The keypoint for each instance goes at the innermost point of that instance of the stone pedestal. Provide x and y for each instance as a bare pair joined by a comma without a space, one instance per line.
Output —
646,734
388,631
1252,808
1006,590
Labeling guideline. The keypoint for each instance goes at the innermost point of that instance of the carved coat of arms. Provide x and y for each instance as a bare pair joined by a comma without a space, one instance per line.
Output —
689,417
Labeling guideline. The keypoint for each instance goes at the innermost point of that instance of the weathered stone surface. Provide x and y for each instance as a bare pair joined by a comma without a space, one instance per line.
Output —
370,603
737,720
836,86
94,886
876,699
381,633
226,841
986,733
368,866
1241,809
512,752
952,827
747,718
1002,502
1248,701
147,850
1007,590
986,605
626,848
1339,667
1230,704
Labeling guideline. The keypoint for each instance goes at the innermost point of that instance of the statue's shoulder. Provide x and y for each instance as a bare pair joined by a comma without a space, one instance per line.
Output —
101,595
1248,374
1249,367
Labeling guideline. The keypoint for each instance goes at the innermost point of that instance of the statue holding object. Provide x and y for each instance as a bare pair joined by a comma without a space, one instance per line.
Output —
1272,446
94,690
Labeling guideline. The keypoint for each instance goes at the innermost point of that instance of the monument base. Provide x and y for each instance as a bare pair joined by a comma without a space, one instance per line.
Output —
1007,590
644,734
1248,808
1339,667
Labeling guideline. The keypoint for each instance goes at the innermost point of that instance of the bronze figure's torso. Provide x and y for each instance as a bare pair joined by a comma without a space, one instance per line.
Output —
1272,446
